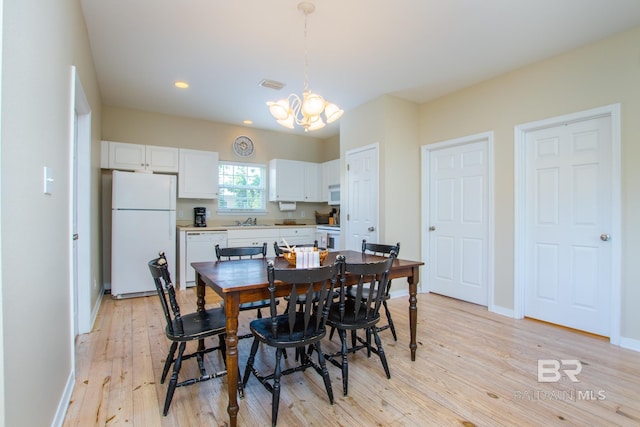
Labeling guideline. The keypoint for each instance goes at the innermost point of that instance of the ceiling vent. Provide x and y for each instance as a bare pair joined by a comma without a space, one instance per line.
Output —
271,84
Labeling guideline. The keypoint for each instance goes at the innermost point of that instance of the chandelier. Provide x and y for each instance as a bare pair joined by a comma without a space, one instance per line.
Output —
305,112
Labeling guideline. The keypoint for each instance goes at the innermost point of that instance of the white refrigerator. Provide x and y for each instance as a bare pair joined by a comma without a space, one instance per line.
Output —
143,223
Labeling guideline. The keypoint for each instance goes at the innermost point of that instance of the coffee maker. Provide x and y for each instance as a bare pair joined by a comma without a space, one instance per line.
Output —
199,217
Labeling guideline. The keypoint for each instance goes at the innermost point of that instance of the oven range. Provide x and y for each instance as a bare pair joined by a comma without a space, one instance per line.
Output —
328,236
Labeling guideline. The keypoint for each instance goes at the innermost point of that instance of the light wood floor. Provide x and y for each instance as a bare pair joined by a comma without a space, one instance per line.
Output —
472,368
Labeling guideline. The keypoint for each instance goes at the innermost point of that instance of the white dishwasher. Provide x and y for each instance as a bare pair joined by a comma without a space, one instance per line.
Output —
201,247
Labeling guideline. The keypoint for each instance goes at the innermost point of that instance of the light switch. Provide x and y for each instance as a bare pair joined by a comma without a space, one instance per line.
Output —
48,180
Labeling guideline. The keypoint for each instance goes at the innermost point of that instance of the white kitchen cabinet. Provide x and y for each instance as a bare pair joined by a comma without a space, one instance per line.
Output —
312,182
253,237
330,177
286,180
330,174
198,174
294,181
297,235
124,156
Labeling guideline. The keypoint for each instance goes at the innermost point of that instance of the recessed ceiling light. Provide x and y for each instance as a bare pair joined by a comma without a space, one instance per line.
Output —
247,122
181,85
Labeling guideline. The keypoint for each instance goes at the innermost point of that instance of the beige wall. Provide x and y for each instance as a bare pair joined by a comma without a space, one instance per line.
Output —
392,123
140,127
41,41
600,74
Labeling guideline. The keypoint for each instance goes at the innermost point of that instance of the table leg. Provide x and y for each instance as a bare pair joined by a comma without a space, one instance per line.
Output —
200,302
232,309
413,309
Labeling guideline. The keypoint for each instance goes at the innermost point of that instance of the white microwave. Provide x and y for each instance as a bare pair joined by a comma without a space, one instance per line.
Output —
334,195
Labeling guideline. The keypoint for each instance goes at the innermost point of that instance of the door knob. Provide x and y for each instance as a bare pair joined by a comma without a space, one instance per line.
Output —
432,228
371,229
605,237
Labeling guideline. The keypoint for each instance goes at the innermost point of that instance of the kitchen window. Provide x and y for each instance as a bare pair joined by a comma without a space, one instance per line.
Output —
242,187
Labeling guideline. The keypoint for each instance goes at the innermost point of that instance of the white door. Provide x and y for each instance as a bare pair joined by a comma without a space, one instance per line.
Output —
362,197
568,222
458,225
80,175
74,224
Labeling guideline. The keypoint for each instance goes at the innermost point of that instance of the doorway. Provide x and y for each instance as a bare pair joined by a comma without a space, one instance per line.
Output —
567,251
82,284
457,182
361,216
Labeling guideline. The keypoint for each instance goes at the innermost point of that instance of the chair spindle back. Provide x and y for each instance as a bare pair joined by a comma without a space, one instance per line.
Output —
159,269
317,284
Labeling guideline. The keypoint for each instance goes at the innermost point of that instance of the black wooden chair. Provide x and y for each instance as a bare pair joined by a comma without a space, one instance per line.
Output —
360,313
244,252
295,328
278,250
381,250
182,328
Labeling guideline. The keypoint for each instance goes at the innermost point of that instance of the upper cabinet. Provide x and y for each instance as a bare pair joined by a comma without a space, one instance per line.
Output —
330,176
198,175
294,181
286,180
312,182
123,156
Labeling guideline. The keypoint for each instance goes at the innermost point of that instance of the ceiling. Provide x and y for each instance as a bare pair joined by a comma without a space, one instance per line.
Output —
358,50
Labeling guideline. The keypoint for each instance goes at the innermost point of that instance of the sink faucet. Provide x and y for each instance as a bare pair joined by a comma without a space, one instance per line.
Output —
250,221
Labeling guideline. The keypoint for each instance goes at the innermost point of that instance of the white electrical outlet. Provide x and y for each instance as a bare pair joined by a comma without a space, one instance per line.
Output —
180,214
208,214
303,214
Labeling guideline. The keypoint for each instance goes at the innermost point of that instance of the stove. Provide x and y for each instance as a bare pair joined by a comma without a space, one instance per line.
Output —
327,227
328,236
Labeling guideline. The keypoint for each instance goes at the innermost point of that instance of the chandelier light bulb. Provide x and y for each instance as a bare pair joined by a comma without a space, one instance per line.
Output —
313,104
332,112
288,122
315,125
280,109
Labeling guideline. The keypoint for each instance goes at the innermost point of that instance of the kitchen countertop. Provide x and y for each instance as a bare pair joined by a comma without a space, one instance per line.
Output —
233,227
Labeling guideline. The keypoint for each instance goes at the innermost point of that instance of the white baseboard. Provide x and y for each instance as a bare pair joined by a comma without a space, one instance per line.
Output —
630,343
63,404
399,293
96,309
508,312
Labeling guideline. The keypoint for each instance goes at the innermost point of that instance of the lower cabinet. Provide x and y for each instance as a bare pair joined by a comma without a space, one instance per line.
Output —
297,236
253,237
199,246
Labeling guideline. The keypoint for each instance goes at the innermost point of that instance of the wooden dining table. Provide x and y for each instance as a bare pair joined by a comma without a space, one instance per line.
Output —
245,280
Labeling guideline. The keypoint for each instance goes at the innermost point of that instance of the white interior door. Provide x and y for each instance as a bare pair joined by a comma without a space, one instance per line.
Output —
568,225
459,218
80,186
362,197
